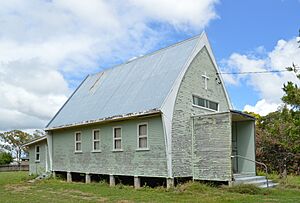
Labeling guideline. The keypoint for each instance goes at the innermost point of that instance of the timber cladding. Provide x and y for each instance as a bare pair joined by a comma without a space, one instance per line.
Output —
129,161
212,147
193,84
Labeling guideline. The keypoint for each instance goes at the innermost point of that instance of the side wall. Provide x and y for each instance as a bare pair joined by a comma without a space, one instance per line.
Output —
130,161
193,83
38,167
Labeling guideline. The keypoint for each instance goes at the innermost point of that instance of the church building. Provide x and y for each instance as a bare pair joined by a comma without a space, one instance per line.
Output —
163,116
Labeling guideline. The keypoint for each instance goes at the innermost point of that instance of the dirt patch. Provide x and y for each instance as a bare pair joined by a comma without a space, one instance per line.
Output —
77,194
17,188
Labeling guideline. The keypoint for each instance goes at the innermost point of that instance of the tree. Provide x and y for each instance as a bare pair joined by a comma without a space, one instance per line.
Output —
278,133
13,141
5,158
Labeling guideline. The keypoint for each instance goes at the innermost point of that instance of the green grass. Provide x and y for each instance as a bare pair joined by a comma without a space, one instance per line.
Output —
15,188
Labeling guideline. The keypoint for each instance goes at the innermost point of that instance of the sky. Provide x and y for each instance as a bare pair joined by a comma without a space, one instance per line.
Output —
47,47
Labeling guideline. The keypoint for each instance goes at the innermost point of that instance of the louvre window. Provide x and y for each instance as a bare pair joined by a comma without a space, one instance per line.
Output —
142,136
205,103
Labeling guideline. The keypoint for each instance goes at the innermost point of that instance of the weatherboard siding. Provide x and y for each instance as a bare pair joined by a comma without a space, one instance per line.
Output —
37,167
212,147
130,161
193,84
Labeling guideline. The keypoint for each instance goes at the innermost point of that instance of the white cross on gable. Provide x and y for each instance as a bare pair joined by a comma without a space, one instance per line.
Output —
206,78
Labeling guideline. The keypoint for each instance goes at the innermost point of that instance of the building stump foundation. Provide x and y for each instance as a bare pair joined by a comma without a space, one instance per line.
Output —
87,178
137,182
69,177
112,181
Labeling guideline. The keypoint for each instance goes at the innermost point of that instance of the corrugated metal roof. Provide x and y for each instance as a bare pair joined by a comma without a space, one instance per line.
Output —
136,86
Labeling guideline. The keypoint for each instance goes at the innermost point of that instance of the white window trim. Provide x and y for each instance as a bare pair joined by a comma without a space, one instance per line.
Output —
37,160
202,107
113,134
93,141
138,136
78,151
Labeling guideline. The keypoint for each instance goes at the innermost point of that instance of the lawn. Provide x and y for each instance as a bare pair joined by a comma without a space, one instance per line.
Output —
15,188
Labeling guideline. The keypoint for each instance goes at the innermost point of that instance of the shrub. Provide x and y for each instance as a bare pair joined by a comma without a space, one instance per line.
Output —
5,158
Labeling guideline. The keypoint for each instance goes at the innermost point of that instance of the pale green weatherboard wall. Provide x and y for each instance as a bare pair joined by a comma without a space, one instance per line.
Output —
129,162
34,166
212,147
193,83
245,145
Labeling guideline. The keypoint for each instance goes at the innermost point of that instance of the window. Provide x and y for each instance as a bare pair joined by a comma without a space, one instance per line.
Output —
37,153
117,136
205,103
78,142
142,136
96,140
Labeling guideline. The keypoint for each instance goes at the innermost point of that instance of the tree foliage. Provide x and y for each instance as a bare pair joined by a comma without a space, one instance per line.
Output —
5,158
278,133
278,141
13,142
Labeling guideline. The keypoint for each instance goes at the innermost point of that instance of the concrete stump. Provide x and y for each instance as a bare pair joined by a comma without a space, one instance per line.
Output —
137,182
170,182
87,178
112,181
69,177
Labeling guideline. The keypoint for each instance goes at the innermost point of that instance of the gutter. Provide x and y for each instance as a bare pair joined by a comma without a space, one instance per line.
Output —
128,116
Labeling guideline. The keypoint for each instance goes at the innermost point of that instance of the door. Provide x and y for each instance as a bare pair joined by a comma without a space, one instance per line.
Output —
234,148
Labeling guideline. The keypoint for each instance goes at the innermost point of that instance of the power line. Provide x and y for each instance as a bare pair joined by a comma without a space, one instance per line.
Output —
253,72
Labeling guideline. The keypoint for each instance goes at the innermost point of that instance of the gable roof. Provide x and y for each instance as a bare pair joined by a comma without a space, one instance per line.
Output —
136,87
36,140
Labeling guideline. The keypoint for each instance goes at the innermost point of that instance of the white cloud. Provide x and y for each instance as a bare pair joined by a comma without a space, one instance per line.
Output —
47,45
262,107
268,85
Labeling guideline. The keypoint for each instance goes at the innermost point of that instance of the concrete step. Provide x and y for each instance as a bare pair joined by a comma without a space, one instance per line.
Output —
271,185
259,181
249,179
242,175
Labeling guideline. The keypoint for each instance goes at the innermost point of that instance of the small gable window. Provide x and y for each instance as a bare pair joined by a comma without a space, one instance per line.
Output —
198,101
117,138
96,140
37,153
77,141
142,136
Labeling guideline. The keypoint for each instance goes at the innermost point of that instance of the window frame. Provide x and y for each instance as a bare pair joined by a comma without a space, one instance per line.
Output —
75,141
37,153
93,141
138,137
119,138
206,102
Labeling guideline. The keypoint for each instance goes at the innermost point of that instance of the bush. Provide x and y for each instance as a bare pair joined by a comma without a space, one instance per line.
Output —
5,158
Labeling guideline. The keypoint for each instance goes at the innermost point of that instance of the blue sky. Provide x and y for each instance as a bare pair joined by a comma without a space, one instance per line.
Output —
48,47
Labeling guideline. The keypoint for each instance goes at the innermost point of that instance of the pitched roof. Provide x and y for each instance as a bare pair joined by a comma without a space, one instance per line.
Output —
136,87
35,140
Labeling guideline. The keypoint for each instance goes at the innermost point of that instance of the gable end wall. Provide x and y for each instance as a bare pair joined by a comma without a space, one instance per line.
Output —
193,83
38,167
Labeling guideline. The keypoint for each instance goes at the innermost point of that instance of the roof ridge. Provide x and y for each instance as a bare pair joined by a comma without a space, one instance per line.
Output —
149,54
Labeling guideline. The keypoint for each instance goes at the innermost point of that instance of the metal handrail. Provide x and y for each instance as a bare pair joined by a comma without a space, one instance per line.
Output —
257,162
